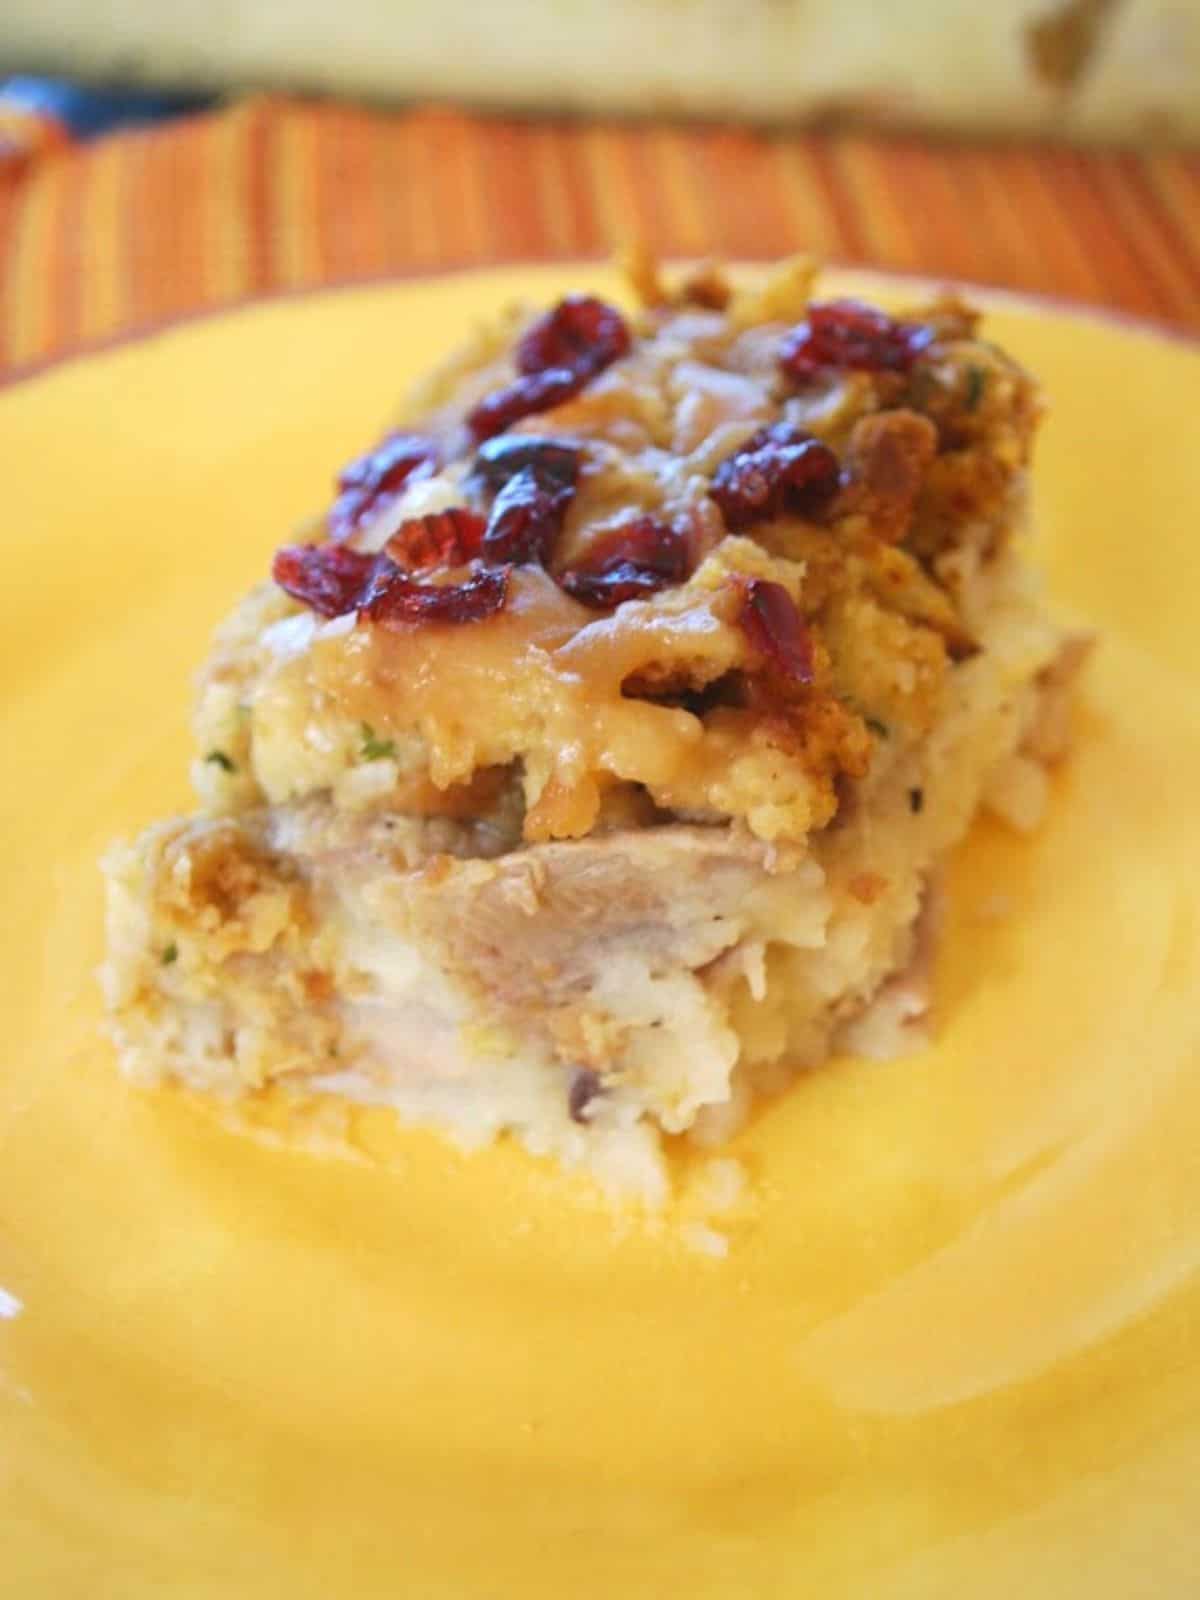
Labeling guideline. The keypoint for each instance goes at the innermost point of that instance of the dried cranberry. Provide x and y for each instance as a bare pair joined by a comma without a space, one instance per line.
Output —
556,356
631,561
581,332
328,578
394,597
501,459
375,479
439,539
334,579
539,391
527,517
846,333
778,469
770,620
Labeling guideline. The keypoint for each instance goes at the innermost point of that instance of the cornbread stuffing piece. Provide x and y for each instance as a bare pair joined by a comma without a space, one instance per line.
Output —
589,770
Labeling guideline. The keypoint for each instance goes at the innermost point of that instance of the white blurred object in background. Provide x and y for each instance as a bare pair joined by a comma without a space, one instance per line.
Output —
1085,69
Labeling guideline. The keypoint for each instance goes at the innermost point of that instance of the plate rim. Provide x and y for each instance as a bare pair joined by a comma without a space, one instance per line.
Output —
1029,301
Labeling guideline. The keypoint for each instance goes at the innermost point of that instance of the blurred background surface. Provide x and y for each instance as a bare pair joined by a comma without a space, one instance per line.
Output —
263,147
1127,69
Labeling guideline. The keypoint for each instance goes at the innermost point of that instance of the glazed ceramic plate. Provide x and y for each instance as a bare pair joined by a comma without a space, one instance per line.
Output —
954,1348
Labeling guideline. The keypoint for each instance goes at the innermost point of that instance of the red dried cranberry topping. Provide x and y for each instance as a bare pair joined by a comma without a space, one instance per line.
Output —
439,539
527,517
501,459
374,479
846,333
556,356
328,578
581,332
631,561
775,628
778,469
393,597
334,579
539,391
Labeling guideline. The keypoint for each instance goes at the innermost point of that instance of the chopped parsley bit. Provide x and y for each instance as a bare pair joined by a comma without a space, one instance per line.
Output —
879,729
976,383
220,759
374,749
170,954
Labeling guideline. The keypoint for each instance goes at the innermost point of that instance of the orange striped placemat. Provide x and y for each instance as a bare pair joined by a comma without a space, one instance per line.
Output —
274,195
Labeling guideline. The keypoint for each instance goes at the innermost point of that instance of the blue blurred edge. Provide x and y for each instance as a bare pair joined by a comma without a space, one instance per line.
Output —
87,112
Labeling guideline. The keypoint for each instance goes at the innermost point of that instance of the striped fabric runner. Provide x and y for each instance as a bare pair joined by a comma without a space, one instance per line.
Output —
272,195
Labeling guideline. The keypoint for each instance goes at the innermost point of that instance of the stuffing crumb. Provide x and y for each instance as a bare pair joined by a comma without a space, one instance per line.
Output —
1018,793
720,1186
704,1241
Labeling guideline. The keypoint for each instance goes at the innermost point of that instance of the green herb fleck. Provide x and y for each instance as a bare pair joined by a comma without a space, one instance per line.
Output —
879,729
374,749
976,383
243,712
220,759
170,954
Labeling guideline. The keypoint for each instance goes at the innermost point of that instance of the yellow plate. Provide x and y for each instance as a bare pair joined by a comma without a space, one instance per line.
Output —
955,1347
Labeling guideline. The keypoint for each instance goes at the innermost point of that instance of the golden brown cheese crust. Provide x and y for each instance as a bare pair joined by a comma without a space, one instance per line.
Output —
665,708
